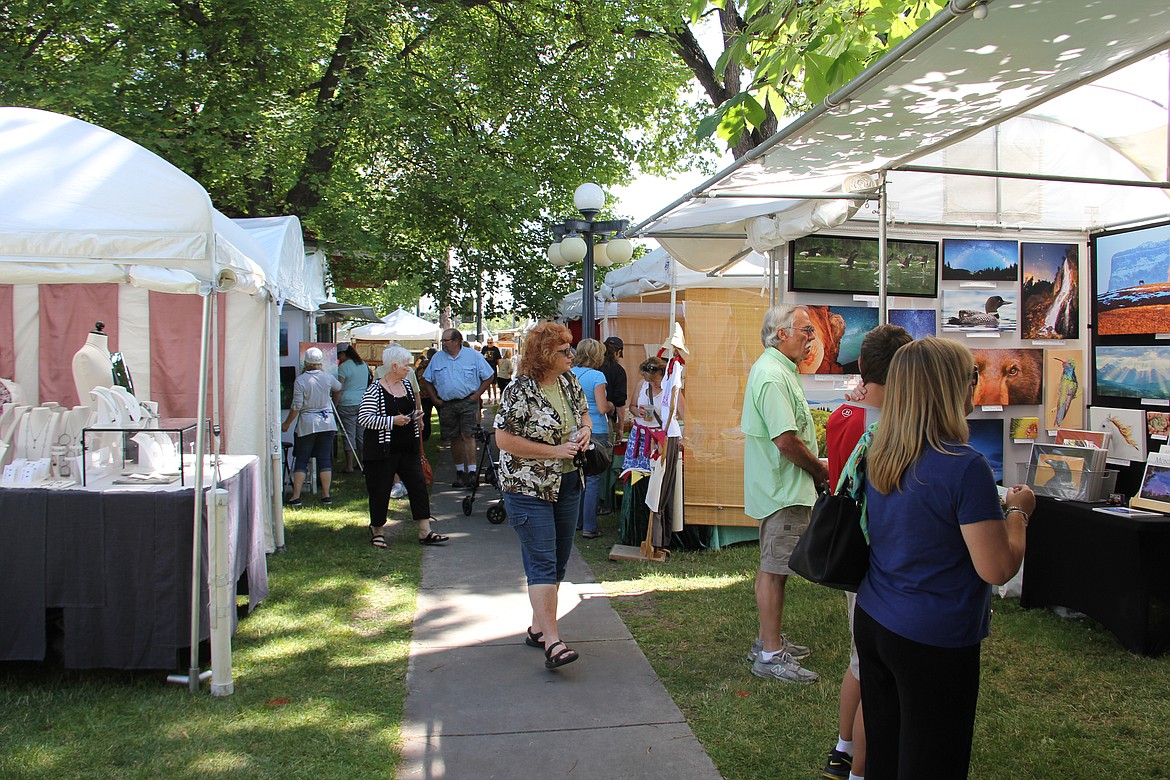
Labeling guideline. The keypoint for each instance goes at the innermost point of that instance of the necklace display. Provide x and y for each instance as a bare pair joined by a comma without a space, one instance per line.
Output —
38,438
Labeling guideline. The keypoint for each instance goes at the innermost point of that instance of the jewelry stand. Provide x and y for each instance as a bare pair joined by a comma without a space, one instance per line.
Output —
37,433
8,435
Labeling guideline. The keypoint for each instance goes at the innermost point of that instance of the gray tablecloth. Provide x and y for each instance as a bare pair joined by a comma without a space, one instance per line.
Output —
117,563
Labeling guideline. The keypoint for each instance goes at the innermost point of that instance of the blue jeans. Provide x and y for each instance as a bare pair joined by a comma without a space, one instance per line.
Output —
545,530
314,445
588,520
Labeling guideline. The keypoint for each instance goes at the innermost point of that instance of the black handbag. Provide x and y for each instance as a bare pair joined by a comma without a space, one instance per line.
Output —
833,551
596,458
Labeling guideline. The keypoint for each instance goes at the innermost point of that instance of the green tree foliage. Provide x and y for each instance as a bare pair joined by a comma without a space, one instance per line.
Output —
796,52
402,134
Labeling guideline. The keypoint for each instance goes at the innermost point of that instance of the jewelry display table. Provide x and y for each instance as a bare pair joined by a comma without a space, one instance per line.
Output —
114,563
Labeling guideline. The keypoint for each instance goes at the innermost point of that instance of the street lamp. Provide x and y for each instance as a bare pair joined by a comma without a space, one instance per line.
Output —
574,243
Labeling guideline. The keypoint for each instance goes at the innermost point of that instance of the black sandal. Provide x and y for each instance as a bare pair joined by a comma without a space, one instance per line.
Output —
377,539
534,639
432,538
561,657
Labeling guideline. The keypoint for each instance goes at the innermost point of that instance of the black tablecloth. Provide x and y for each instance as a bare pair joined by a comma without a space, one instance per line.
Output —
1116,570
118,566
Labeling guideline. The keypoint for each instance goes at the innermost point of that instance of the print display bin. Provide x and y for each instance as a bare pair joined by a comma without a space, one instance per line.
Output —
1087,485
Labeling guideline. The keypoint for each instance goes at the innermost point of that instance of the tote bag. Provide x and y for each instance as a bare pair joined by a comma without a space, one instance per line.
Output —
834,551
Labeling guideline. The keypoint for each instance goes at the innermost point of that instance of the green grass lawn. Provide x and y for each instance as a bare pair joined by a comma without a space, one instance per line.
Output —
319,669
1060,698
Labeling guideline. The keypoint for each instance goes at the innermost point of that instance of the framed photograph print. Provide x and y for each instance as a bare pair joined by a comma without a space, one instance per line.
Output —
979,310
1131,292
819,263
840,264
1076,438
1158,425
1050,293
1155,490
1132,372
980,260
1127,431
1024,428
1060,472
1008,377
837,338
987,438
912,269
919,323
1064,394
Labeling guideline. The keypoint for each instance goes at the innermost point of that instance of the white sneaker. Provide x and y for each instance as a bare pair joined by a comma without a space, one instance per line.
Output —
782,667
398,491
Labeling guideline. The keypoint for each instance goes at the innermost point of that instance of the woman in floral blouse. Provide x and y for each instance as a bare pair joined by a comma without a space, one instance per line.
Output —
541,424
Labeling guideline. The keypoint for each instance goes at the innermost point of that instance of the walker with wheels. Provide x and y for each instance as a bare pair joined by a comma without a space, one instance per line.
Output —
488,474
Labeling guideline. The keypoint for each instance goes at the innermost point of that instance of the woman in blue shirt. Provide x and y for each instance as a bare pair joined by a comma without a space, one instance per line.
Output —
938,540
354,375
590,354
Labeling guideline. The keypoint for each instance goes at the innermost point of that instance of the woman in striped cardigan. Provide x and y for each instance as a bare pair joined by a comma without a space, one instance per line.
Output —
391,414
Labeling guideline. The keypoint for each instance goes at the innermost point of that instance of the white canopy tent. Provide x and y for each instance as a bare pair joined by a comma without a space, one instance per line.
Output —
658,271
84,209
399,326
1044,115
1046,120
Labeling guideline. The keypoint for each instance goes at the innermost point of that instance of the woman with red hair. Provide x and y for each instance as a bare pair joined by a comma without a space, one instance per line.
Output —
541,424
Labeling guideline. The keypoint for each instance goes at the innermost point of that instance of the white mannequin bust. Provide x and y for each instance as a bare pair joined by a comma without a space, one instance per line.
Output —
92,366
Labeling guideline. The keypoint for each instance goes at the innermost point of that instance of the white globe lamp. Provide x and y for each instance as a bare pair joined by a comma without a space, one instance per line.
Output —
573,248
589,199
554,255
620,250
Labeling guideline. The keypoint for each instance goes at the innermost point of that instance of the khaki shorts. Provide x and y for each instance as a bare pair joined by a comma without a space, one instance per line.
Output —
458,418
779,533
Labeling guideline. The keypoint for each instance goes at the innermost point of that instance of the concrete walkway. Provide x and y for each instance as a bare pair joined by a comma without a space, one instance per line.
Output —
480,703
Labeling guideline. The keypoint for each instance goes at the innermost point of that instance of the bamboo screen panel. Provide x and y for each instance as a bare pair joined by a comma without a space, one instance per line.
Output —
723,336
642,326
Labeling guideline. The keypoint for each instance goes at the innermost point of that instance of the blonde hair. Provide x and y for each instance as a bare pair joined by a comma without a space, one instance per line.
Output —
590,353
927,390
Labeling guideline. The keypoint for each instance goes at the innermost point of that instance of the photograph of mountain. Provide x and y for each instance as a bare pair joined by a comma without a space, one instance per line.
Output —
981,260
1132,281
1133,372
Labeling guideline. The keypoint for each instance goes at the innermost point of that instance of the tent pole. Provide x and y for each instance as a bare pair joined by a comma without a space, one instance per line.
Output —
197,522
883,229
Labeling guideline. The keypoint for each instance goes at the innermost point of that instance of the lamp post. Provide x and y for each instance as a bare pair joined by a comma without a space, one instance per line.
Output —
574,243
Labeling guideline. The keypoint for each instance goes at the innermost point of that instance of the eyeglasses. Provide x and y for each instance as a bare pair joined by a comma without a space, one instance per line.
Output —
807,330
446,339
567,352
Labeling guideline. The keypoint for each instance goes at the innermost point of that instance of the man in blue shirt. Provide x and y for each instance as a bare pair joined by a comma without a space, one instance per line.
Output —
455,380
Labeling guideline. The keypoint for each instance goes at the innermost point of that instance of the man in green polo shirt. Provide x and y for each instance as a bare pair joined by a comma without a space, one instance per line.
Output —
780,475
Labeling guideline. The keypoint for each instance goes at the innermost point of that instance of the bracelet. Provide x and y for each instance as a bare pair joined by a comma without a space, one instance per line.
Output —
1011,509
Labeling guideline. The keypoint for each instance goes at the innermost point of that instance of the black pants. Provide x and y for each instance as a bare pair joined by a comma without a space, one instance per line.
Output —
380,479
919,704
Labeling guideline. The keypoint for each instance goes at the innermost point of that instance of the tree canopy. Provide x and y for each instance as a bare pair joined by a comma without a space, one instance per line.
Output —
430,144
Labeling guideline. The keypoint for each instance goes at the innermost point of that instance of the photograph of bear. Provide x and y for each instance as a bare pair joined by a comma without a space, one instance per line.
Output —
1008,377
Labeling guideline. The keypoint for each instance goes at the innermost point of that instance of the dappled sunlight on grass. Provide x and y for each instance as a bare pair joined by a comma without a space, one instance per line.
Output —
319,673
